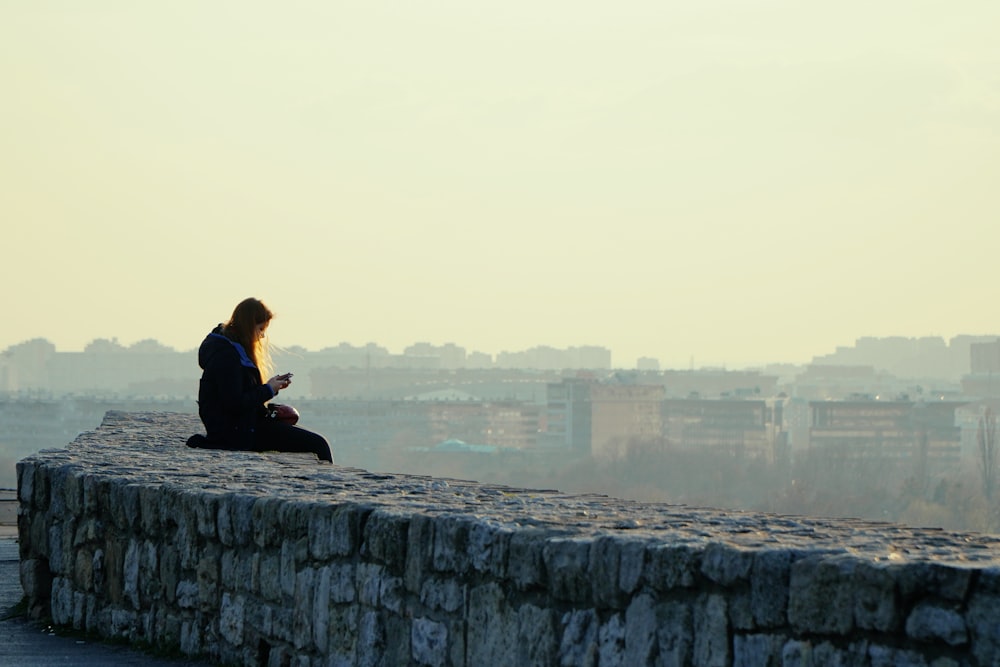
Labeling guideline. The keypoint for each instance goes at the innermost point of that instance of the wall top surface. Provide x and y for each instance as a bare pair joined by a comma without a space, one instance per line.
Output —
148,449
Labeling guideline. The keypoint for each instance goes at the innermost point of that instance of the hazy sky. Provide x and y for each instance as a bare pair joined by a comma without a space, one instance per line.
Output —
732,181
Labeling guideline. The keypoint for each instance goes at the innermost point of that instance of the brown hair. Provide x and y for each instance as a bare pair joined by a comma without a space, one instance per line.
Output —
242,326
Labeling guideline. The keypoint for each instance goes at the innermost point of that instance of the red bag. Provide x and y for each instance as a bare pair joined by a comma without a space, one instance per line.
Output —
283,413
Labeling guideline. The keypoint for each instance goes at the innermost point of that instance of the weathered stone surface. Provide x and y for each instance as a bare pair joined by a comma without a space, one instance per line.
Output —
430,642
275,559
930,622
821,595
566,564
578,645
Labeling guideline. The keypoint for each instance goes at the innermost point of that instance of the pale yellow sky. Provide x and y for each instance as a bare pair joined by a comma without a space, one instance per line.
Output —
734,181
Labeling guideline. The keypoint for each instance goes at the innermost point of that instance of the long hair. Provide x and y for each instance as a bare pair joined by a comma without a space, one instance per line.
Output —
241,327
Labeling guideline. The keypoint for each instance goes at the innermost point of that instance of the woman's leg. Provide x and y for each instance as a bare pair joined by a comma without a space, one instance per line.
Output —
272,435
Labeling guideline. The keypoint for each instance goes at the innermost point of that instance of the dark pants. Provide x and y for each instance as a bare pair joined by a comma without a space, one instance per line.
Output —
272,435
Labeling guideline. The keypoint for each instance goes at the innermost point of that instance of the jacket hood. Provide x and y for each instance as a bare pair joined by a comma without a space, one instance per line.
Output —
216,343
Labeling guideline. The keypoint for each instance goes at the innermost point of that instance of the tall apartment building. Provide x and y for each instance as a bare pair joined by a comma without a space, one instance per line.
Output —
623,415
752,428
898,431
568,416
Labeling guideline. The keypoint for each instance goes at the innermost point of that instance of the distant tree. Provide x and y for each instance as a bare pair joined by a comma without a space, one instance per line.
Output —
986,435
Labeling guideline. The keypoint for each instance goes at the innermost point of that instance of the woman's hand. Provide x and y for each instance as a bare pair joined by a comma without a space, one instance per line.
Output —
279,382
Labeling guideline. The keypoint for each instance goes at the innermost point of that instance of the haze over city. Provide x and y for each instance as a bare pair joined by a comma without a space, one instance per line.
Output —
723,183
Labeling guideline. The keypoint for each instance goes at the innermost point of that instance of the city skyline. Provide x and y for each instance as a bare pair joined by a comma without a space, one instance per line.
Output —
892,348
707,184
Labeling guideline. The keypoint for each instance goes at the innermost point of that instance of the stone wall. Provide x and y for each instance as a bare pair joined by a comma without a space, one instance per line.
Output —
279,560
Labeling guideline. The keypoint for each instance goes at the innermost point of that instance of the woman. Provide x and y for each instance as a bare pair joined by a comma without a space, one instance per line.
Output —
232,394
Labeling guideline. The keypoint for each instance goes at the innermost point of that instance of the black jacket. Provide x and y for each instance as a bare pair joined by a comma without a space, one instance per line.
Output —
231,394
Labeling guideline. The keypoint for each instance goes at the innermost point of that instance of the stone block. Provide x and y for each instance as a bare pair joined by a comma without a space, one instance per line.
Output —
384,539
321,610
443,594
223,521
391,593
241,511
769,588
429,642
525,560
874,590
536,636
451,541
343,583
62,601
631,565
578,644
369,583
207,573
302,628
83,571
131,506
270,575
26,482
931,622
982,618
488,545
758,651
206,513
605,568
398,631
231,616
567,565
821,595
711,632
921,578
293,553
73,492
419,551
169,572
343,632
670,566
94,494
370,651
889,656
88,531
187,594
726,565
55,548
640,631
131,573
149,509
674,633
611,642
335,530
491,632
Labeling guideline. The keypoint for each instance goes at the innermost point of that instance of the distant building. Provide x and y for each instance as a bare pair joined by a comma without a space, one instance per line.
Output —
750,428
605,419
544,357
921,433
837,382
718,383
927,357
623,415
647,364
568,416
985,357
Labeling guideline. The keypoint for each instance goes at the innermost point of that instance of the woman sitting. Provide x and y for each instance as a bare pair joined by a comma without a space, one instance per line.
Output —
232,395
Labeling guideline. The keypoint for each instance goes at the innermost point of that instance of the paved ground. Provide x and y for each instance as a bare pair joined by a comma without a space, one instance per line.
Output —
28,644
